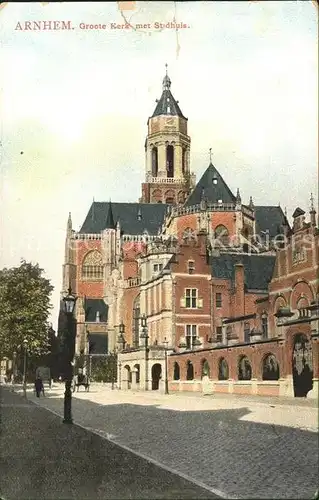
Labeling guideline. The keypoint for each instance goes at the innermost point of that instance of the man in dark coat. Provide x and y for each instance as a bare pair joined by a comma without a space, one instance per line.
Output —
38,385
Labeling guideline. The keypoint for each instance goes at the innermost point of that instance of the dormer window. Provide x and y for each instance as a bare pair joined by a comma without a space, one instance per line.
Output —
168,109
215,180
220,202
191,267
97,317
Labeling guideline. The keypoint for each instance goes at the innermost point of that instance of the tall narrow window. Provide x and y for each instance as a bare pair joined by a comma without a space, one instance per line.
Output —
264,325
191,297
191,334
154,162
170,161
219,333
184,161
218,300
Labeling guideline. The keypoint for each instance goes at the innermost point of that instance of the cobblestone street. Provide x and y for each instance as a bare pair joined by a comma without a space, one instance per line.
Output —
235,447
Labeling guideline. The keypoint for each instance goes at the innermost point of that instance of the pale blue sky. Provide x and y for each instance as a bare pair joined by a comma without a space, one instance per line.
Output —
77,102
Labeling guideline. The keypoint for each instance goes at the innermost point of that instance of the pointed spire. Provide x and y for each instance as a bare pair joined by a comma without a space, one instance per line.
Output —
110,224
238,197
69,225
251,203
167,105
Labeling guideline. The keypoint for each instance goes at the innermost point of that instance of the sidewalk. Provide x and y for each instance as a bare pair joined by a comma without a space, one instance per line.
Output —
268,448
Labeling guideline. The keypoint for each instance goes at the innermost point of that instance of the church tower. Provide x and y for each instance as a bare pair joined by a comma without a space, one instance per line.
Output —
167,152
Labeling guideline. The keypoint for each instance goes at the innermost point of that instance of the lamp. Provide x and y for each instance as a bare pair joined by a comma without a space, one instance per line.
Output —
69,302
165,342
69,346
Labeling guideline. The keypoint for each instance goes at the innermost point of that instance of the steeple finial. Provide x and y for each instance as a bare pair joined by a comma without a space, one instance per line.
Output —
313,219
210,156
166,81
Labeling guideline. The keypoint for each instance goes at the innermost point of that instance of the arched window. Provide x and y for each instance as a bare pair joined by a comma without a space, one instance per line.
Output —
189,371
92,266
154,162
136,321
222,235
170,161
244,368
264,325
176,371
169,197
223,371
157,196
270,368
205,368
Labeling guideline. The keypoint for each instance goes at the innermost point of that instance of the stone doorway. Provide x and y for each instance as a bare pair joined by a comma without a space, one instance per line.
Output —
156,376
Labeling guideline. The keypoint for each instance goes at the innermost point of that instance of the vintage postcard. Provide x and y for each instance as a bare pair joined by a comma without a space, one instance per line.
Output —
159,274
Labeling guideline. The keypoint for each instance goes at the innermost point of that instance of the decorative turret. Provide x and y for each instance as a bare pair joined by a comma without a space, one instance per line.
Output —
238,198
69,225
313,220
251,203
110,224
167,149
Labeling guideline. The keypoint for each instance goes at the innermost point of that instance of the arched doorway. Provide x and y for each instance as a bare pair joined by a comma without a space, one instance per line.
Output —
156,375
127,379
302,370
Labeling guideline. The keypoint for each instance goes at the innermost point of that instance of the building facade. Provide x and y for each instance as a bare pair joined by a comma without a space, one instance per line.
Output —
229,291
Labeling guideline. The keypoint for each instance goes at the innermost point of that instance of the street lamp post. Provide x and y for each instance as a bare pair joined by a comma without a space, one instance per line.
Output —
69,346
166,367
25,345
121,342
90,366
145,337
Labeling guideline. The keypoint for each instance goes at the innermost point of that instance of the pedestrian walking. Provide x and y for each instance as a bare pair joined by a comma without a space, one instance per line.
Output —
38,385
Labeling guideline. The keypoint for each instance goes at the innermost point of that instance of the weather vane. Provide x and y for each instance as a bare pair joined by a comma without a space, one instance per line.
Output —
210,155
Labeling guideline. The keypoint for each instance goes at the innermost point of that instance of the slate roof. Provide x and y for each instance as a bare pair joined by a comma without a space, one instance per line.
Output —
167,105
98,343
135,218
258,269
211,192
269,218
92,306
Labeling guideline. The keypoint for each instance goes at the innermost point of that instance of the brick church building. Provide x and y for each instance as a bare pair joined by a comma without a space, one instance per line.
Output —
191,284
